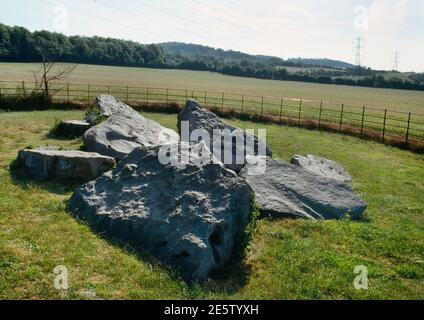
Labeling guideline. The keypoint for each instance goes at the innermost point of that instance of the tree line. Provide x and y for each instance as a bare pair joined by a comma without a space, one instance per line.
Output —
18,44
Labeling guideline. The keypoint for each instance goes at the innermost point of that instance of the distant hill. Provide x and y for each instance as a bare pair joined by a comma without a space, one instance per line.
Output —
329,63
189,49
173,48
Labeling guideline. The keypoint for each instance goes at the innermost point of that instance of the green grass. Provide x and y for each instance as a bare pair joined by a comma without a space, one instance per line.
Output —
396,100
288,259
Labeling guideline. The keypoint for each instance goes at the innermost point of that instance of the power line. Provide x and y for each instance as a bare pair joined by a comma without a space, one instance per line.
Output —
100,18
143,17
168,13
238,6
217,14
83,13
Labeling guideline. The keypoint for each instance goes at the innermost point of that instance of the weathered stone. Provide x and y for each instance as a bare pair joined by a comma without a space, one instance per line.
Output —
200,118
121,134
107,106
286,190
125,130
47,164
71,128
323,167
186,215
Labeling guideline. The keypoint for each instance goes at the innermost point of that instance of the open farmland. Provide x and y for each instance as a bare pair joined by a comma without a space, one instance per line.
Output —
396,100
289,259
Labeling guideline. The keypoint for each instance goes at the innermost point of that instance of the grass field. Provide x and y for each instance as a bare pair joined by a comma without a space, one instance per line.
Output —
397,100
287,260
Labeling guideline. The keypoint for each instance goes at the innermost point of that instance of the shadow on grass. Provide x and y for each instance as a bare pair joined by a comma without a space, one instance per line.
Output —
20,178
226,280
271,216
63,133
54,135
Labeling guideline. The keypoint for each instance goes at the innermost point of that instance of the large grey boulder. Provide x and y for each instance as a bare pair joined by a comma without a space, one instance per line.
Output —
198,117
124,131
186,215
107,106
47,164
286,190
323,167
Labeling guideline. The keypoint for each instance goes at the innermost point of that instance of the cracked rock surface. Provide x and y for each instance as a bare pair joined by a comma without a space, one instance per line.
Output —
186,215
286,190
124,130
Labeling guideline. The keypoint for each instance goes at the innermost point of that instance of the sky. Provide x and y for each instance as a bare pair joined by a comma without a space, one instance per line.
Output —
283,28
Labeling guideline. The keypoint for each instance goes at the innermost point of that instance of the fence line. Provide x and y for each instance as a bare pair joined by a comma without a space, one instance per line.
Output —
385,124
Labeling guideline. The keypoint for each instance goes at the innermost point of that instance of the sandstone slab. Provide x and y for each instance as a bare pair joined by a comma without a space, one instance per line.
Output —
186,215
48,164
199,118
124,131
286,190
323,167
107,106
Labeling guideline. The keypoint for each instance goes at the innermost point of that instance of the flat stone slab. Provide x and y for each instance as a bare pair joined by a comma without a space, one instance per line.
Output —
201,118
107,106
47,164
186,215
286,190
323,167
72,128
124,131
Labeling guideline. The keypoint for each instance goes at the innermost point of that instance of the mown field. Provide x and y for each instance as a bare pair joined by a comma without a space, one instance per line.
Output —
397,100
287,260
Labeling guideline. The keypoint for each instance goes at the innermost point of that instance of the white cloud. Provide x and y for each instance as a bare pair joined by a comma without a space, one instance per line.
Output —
387,16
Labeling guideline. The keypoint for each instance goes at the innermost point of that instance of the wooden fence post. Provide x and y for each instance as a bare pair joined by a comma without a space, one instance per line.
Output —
362,121
320,115
242,103
167,97
206,98
23,88
384,126
88,94
186,96
341,117
262,108
108,89
222,102
300,112
128,95
67,93
407,129
281,110
147,96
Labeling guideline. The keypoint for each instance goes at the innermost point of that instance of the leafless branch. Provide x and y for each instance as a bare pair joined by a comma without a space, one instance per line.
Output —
47,74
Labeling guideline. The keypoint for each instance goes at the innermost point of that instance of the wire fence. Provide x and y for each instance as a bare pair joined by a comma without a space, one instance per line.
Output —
384,124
